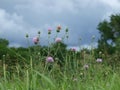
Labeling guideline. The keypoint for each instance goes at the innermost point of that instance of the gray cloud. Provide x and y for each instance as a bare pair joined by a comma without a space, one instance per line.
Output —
18,17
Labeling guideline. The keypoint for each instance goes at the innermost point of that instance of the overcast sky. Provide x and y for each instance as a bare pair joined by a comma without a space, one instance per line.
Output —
18,17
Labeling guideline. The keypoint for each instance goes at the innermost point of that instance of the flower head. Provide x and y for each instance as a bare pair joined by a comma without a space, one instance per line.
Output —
49,30
73,49
35,40
58,28
58,40
49,59
99,60
86,66
66,30
39,32
27,35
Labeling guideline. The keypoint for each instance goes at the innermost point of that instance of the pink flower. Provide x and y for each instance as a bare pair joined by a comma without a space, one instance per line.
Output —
49,59
35,40
73,49
99,60
58,40
58,28
49,30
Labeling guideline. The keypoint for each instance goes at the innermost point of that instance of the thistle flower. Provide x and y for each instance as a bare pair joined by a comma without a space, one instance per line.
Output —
99,60
49,30
39,32
27,35
58,40
58,28
35,40
66,30
49,59
73,49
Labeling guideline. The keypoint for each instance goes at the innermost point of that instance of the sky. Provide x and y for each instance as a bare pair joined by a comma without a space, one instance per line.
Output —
21,17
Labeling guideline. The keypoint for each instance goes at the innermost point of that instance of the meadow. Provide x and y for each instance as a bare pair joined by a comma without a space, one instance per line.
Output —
56,68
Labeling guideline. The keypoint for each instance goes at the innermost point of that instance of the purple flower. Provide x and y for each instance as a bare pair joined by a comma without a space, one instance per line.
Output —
99,60
73,49
49,59
58,40
35,40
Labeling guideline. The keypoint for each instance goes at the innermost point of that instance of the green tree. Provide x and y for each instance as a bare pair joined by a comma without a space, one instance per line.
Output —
3,47
109,34
4,42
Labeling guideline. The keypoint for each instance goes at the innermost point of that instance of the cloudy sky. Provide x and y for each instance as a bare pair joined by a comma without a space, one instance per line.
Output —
18,17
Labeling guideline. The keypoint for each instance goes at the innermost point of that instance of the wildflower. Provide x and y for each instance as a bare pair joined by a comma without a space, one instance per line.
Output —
27,35
35,40
86,66
73,49
49,30
38,32
49,59
99,60
58,40
58,28
66,30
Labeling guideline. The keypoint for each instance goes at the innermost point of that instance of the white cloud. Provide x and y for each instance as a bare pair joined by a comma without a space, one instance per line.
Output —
13,27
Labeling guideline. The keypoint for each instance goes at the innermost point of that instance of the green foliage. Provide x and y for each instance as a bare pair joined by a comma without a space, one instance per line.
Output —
3,47
4,42
27,68
118,44
58,50
110,32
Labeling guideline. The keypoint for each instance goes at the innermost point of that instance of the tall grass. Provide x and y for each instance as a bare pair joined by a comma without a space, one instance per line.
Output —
75,74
